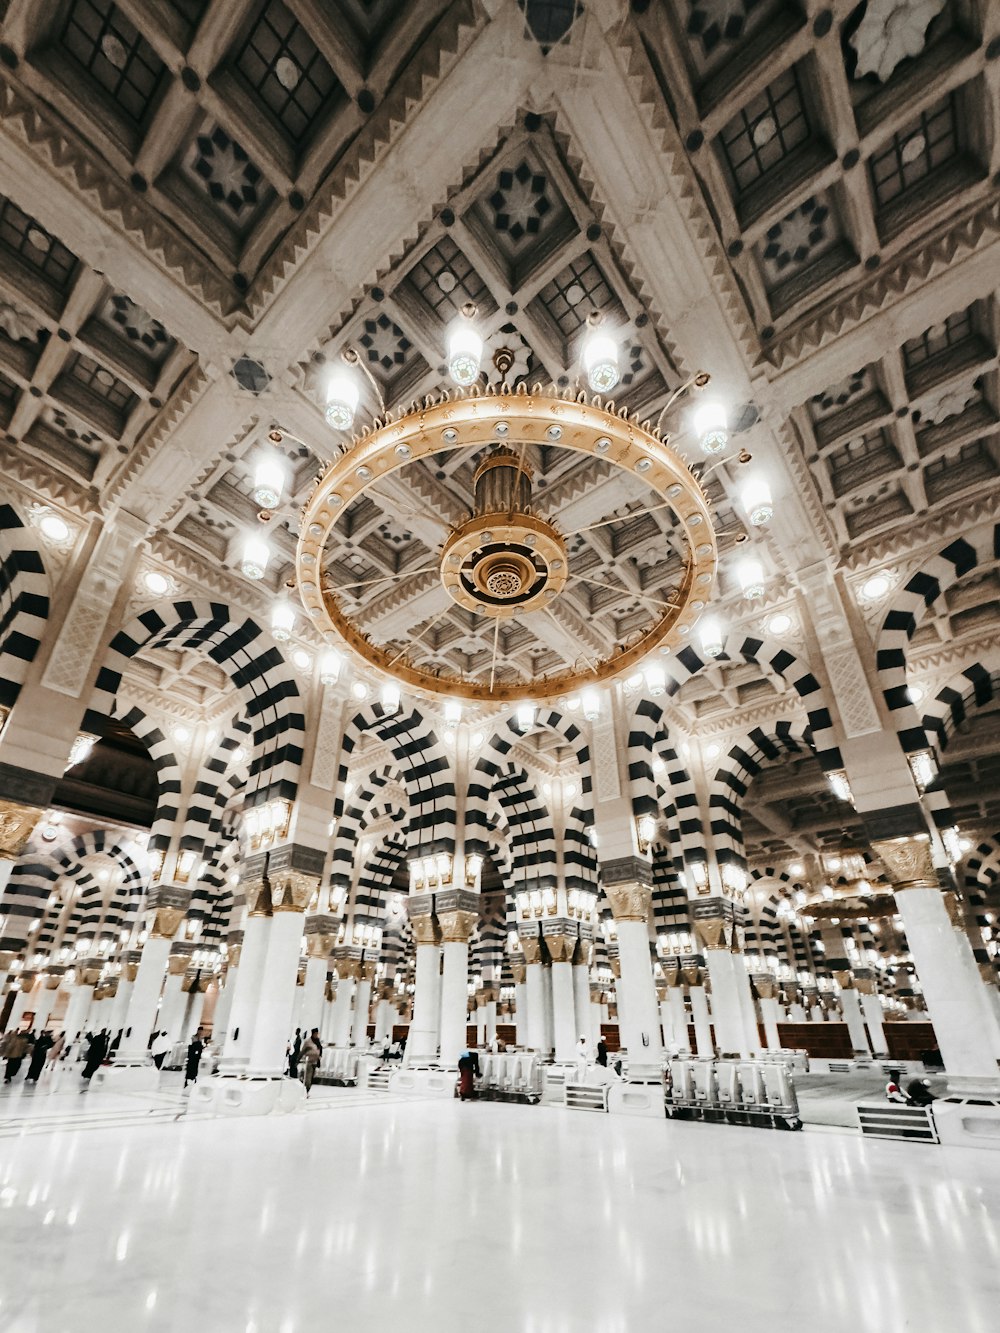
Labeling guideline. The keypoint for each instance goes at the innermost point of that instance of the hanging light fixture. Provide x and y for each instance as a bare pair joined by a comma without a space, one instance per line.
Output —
465,349
282,620
342,397
600,358
268,482
751,575
711,426
656,679
756,498
710,634
591,703
255,558
526,716
390,697
329,667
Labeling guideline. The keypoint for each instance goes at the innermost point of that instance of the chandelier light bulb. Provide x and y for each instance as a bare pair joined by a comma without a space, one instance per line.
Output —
712,427
710,634
751,576
453,711
591,702
600,360
282,621
80,750
465,353
329,667
757,501
390,697
255,558
268,482
656,679
342,396
526,716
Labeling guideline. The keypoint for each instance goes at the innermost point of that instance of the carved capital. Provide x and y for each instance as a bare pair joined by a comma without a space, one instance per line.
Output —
865,985
258,895
532,949
629,901
457,927
368,970
716,932
17,823
425,929
177,964
166,922
845,980
519,972
6,958
908,861
88,973
234,955
561,947
292,891
765,985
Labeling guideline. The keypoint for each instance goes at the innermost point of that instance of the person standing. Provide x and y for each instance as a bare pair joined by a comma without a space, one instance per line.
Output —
56,1050
468,1066
312,1050
602,1052
295,1054
194,1053
39,1051
96,1053
13,1049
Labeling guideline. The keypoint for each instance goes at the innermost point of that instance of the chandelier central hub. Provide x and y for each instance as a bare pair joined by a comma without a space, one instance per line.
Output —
504,560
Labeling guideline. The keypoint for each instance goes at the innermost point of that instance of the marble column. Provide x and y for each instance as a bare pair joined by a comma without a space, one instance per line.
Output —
639,1021
166,906
174,1000
596,1015
46,998
227,988
422,1043
561,946
732,1003
871,1008
123,994
676,1010
326,1026
22,1000
347,961
291,893
956,1001
81,996
704,1045
850,1004
534,988
251,959
491,995
195,1007
6,957
519,974
383,1013
362,1003
320,937
766,987
457,914
581,991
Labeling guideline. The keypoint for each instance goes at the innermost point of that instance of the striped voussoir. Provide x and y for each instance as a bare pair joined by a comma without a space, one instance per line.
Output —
580,869
24,602
532,839
670,900
974,687
983,864
375,876
221,777
212,900
493,758
671,796
354,816
424,768
489,947
256,668
168,772
26,897
923,592
737,769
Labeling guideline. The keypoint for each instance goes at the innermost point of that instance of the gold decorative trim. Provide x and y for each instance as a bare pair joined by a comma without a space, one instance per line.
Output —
17,823
629,901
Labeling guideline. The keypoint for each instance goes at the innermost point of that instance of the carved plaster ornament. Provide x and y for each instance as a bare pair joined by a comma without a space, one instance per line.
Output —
18,324
890,31
950,404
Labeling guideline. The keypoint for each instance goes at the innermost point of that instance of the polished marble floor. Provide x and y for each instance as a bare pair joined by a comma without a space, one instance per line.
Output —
368,1212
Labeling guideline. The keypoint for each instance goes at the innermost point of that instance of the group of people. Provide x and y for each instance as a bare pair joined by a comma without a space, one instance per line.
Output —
47,1048
305,1051
918,1091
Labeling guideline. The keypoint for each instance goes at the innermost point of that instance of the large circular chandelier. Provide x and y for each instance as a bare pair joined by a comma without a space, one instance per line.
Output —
505,562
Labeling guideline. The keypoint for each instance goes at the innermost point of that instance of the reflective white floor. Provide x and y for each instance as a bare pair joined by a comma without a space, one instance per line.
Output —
437,1215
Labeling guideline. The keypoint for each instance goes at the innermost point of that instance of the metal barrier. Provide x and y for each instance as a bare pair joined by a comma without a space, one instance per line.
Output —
587,1096
514,1076
733,1092
893,1120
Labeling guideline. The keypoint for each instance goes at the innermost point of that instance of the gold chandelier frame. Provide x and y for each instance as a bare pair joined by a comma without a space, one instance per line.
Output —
475,419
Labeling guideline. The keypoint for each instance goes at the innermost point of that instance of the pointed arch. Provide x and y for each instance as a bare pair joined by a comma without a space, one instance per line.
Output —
355,816
24,602
255,666
650,747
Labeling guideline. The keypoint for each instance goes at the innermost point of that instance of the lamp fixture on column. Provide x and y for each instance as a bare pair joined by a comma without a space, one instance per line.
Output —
645,833
600,356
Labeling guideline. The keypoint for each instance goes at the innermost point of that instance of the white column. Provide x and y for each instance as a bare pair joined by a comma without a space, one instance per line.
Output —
581,1002
80,999
422,1042
140,1015
120,1004
238,1036
638,1015
729,979
957,1006
678,1017
277,993
480,1020
44,1004
195,1008
563,1012
311,1011
173,1002
343,1005
383,1016
490,1012
20,1005
224,1004
362,1003
702,1022
520,1003
850,1003
871,1007
534,1037
769,1016
326,1027
454,986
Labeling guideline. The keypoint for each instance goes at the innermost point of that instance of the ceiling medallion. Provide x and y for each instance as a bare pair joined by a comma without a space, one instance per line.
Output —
505,562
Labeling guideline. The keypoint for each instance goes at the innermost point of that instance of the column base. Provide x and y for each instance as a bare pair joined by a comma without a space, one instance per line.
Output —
132,1077
240,1095
638,1097
963,1087
423,1082
968,1121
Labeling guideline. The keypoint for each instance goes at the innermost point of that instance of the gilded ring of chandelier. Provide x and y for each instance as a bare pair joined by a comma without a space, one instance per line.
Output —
470,421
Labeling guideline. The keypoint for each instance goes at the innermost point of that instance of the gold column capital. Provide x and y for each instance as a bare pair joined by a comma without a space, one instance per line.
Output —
531,947
908,861
457,927
716,932
765,986
292,891
425,929
234,955
177,964
368,970
348,969
17,823
865,985
519,973
561,947
630,901
6,958
88,974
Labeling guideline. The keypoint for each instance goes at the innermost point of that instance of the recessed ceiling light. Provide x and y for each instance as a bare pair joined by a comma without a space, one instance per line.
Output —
156,583
301,659
780,624
915,693
54,528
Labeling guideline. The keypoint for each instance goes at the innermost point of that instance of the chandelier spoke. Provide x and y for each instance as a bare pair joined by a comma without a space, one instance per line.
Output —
589,660
420,637
395,509
628,592
387,578
624,518
496,645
